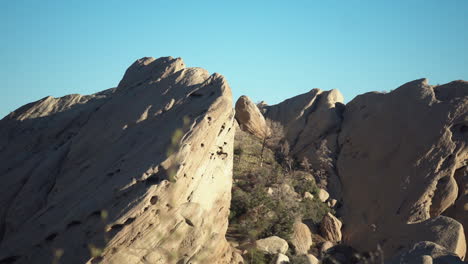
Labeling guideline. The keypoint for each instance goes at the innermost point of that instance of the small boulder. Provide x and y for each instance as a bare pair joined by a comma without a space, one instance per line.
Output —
311,259
270,191
272,245
323,195
281,259
301,238
250,118
325,246
308,195
330,228
332,203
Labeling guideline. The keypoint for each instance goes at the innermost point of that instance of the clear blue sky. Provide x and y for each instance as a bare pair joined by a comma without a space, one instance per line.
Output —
269,50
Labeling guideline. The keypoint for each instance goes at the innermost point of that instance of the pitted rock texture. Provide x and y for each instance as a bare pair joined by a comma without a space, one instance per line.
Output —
250,119
398,155
140,173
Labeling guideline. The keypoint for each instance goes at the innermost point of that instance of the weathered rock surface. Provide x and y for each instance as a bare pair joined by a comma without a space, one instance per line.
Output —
459,210
399,152
426,252
136,174
311,259
250,118
281,259
323,195
330,228
312,121
272,245
301,238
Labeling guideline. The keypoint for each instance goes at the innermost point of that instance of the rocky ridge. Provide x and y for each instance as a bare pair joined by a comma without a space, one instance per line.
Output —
140,173
395,161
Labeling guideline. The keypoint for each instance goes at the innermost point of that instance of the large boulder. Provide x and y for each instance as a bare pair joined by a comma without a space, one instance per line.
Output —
312,122
426,252
250,118
399,152
272,245
140,173
301,238
330,228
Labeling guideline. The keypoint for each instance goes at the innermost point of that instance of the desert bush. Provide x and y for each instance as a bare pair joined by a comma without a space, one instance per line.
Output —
254,212
295,259
255,256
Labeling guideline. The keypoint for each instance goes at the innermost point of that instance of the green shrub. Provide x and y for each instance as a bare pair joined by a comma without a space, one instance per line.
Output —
294,259
313,210
255,256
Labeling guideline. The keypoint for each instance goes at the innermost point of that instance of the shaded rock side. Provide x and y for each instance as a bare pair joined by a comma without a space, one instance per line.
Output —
459,210
426,252
140,173
312,122
330,228
250,119
399,152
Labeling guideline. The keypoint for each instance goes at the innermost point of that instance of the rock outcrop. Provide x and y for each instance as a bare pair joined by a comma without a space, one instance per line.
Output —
312,121
301,238
459,210
399,152
426,252
140,173
272,245
330,228
250,119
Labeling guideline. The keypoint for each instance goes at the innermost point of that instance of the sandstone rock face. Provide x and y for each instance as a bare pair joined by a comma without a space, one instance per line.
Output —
312,121
398,155
140,173
459,210
272,245
301,238
250,118
330,228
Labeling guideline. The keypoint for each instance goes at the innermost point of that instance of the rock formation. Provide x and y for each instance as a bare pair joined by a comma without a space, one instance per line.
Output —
301,238
272,245
250,119
312,121
140,173
399,152
330,228
426,252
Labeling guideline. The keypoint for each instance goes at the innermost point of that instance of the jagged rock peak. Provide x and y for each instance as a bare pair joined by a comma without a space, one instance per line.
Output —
399,153
150,69
141,173
312,121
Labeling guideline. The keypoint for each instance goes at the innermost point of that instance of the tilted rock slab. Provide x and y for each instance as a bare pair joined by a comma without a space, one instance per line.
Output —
330,228
140,173
312,122
250,119
399,152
